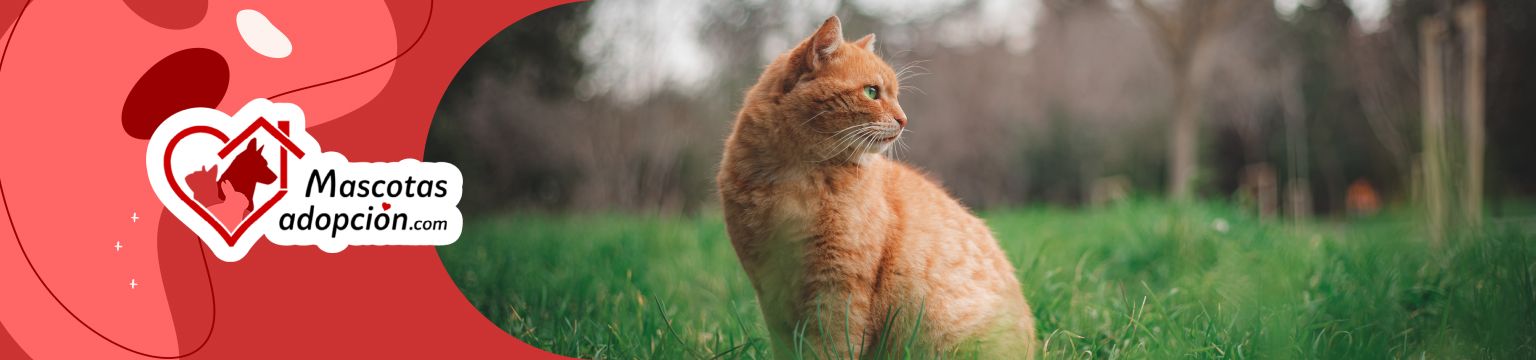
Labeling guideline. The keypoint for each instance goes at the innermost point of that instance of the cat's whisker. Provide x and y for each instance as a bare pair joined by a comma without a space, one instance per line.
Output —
808,121
912,63
893,151
911,69
874,144
851,126
842,142
865,142
855,138
853,146
900,147
847,140
916,65
914,88
846,128
835,135
862,140
914,71
909,76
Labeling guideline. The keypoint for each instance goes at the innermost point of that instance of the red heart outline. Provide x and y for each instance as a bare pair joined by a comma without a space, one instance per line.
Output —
229,238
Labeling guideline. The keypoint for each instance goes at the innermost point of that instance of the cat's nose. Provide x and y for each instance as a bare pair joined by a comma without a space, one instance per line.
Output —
901,120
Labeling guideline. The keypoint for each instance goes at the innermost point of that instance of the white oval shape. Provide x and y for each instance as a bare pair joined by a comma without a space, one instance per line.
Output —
261,35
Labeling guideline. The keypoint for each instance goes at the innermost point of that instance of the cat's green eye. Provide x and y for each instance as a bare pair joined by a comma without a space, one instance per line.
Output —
872,92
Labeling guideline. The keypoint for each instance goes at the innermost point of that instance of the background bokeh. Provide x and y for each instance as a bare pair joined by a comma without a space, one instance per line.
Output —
1171,178
624,104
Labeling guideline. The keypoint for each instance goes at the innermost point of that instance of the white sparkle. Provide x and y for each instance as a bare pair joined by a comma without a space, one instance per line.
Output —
119,246
135,216
133,284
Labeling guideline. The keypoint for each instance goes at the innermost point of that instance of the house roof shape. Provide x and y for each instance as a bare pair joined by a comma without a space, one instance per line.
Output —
262,124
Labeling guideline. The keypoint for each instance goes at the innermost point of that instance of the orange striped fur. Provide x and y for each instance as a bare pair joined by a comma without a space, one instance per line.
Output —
836,237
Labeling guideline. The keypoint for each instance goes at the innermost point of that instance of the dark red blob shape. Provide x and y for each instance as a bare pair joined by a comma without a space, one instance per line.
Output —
195,77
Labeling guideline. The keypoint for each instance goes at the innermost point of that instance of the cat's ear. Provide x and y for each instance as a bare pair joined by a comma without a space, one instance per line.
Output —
823,43
867,42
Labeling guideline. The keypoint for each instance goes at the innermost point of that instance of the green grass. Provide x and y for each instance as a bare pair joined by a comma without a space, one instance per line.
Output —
1140,280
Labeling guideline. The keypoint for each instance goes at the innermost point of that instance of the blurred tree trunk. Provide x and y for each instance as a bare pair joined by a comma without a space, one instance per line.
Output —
1431,34
1183,136
1470,21
1453,162
1298,192
1181,32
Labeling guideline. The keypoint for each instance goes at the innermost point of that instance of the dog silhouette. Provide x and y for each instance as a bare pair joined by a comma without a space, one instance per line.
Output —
245,171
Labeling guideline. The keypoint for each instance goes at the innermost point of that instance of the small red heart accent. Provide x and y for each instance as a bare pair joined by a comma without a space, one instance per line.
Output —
386,206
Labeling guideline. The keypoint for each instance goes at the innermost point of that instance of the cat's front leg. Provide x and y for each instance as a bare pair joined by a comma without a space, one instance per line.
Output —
834,320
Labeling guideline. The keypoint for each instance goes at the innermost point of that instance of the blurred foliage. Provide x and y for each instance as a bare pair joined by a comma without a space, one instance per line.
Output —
1309,93
540,54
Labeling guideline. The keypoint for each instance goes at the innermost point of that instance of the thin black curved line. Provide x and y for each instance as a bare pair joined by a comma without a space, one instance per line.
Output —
212,298
430,5
14,25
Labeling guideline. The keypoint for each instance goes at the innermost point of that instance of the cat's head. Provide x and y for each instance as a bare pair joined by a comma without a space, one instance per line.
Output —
834,98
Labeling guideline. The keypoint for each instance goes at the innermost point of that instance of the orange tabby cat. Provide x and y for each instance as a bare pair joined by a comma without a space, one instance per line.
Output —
848,249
